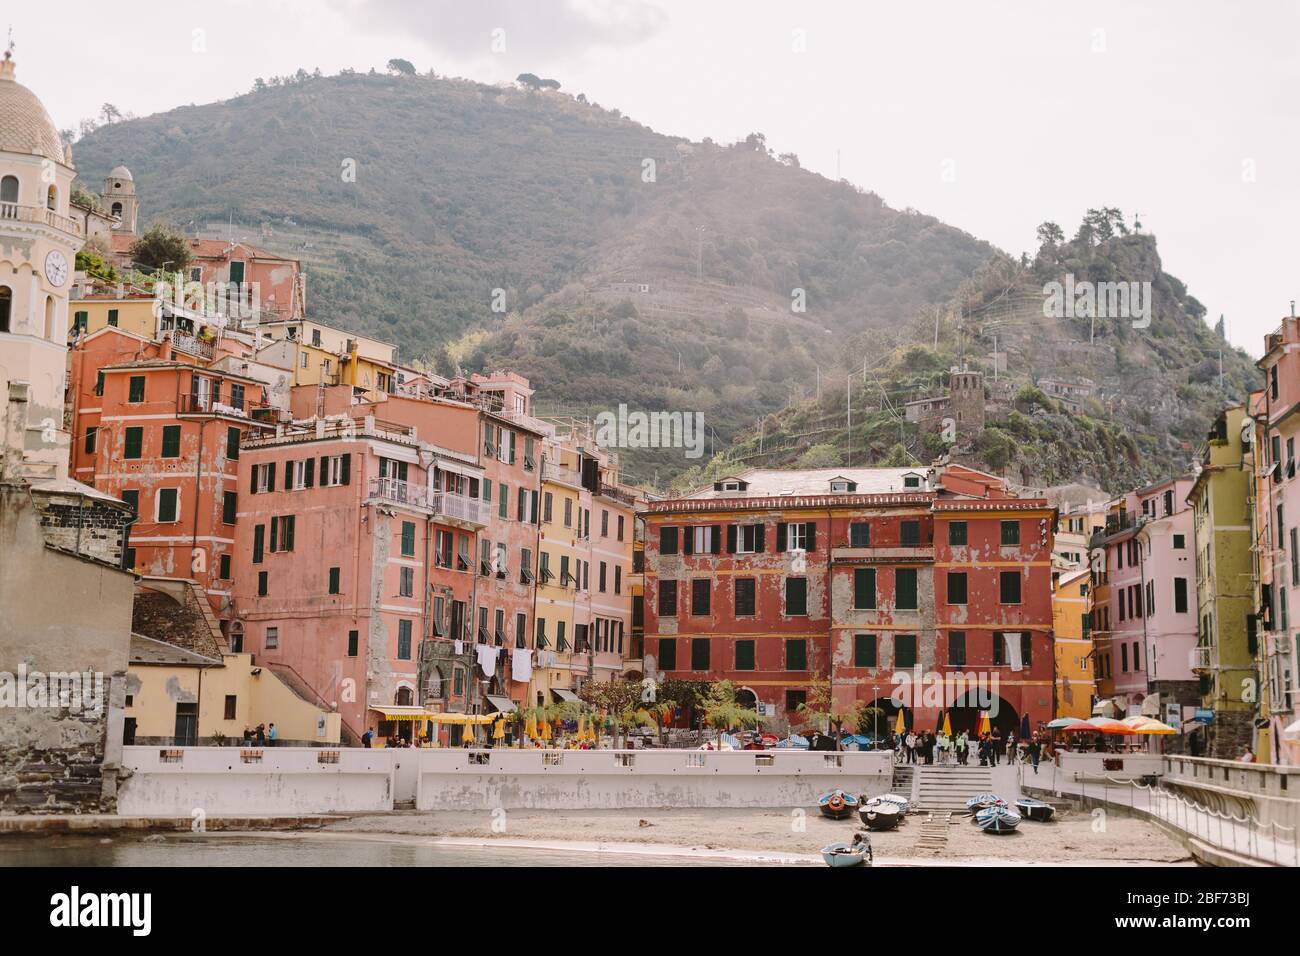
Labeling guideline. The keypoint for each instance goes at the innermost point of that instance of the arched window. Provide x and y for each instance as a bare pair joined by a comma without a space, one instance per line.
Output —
9,196
6,303
404,697
52,197
49,318
117,209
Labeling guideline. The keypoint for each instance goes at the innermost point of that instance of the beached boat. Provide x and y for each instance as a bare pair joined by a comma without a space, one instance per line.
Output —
837,804
880,814
983,801
997,819
1035,810
848,854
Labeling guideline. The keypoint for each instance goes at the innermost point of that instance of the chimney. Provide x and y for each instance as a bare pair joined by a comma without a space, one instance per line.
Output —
15,433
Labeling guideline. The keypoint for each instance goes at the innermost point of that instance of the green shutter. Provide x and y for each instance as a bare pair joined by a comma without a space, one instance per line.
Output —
134,442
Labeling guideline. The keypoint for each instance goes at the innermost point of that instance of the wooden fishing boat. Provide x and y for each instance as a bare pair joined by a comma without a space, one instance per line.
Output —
848,854
997,819
837,804
896,800
880,814
1035,810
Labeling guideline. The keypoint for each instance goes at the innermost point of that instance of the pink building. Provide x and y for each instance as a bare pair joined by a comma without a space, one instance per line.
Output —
1278,524
1145,631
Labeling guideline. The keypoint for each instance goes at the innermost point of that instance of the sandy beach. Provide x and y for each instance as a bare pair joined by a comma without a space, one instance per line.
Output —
1074,837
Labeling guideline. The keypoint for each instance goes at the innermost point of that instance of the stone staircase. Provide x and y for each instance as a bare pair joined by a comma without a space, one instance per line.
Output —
904,781
948,788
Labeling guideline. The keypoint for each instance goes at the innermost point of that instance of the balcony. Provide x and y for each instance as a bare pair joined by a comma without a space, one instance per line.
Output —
40,214
191,345
565,476
399,493
1202,660
459,509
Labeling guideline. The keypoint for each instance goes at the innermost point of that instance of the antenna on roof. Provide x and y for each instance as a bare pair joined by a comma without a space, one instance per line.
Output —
9,50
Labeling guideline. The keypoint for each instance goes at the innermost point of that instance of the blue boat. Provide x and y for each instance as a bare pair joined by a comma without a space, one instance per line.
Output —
848,854
896,800
984,800
997,819
837,804
1035,810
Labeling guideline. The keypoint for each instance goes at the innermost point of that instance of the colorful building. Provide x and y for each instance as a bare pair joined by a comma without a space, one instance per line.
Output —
1222,502
894,585
1072,643
1277,529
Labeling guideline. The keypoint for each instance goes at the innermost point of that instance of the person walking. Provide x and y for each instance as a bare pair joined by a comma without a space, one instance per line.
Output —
1012,753
1035,750
367,737
911,747
996,746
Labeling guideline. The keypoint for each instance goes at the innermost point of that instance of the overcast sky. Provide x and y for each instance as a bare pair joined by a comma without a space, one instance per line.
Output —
992,116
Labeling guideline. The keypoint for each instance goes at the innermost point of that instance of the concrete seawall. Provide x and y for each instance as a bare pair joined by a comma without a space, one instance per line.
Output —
224,781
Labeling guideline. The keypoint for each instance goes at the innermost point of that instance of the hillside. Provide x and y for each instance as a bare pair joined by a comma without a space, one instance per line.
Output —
632,266
462,189
1153,391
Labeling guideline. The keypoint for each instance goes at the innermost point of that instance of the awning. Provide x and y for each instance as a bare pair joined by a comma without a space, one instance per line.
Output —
459,468
503,705
406,713
565,696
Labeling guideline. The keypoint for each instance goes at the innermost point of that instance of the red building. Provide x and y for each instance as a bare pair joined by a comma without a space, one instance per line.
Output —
164,435
925,590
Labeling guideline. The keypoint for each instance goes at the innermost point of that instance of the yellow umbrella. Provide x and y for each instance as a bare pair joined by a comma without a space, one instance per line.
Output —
1149,725
983,725
546,730
947,725
530,727
900,726
499,731
582,728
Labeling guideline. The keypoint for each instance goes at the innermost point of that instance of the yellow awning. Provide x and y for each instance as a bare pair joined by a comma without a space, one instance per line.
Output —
405,713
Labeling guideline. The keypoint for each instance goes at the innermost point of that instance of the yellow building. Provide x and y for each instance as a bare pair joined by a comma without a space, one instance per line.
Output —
1072,643
563,577
134,312
186,687
320,353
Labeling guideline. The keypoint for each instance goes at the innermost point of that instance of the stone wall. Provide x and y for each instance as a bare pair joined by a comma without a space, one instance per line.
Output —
52,761
83,525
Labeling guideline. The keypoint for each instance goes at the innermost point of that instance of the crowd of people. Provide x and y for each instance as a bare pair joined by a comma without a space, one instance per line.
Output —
928,747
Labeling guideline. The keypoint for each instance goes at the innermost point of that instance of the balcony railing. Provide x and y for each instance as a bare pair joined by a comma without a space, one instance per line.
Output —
15,212
1202,658
191,345
554,472
399,492
460,507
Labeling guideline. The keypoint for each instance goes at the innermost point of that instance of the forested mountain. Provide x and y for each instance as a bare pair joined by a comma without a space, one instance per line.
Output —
479,227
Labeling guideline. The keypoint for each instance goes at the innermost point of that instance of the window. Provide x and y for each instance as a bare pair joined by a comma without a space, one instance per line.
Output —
132,498
700,592
667,540
909,533
354,639
620,526
864,650
618,579
403,640
704,540
133,443
232,444
223,567
263,587
904,650
668,653
259,542
700,653
601,578
744,655
667,598
801,536
408,539
171,443
168,505
405,582
90,439
521,629
864,588
1010,533
1123,657
956,648
956,587
1009,587
499,627
282,529
744,538
230,707
548,503
1180,542
796,596
135,389
604,524
237,396
794,699
957,533
744,597
796,654
229,502
905,589
1180,595
859,535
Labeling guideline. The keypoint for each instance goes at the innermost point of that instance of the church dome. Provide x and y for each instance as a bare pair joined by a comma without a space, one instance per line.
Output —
25,127
121,172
